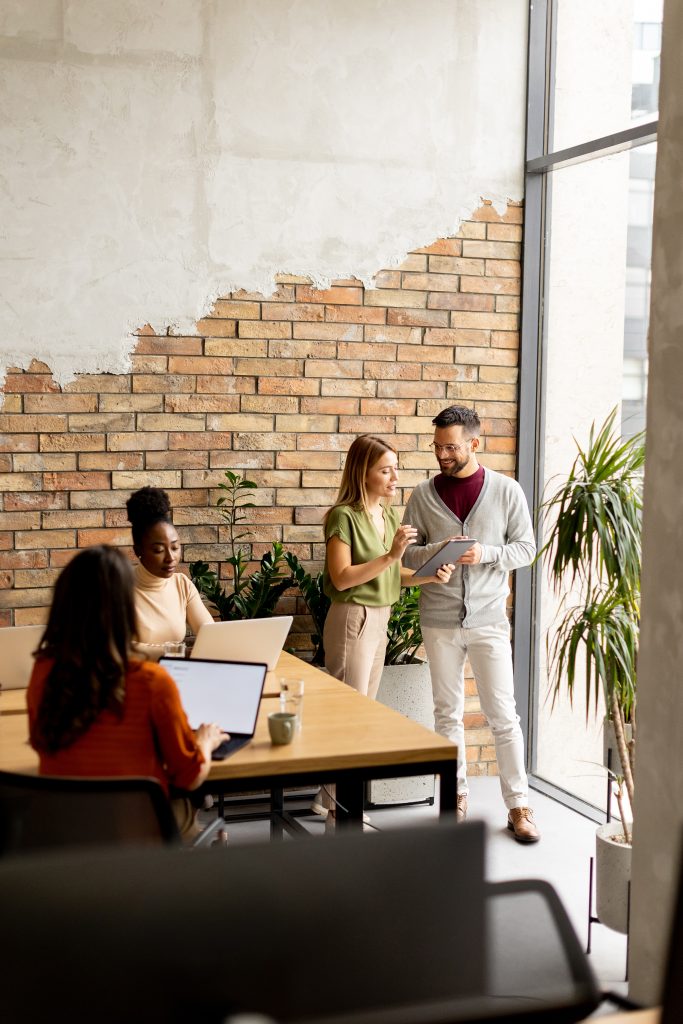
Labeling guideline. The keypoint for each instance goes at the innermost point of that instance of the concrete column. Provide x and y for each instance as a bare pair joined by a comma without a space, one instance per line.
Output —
659,754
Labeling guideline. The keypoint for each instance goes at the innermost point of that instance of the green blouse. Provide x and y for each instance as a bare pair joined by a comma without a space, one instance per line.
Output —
355,528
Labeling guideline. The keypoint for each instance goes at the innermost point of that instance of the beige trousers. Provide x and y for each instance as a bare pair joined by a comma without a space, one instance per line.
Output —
355,639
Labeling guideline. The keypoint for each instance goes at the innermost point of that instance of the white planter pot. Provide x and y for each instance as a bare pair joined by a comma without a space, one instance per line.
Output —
408,690
612,876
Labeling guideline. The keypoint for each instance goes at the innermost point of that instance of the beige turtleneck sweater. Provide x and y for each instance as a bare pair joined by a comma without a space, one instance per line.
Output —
165,608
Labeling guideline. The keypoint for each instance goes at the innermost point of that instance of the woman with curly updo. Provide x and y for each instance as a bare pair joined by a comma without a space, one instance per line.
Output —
165,600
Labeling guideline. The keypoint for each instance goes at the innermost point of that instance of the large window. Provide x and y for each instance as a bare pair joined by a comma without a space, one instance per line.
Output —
593,86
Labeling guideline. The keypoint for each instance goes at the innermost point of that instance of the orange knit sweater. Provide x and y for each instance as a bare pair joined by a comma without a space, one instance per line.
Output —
152,738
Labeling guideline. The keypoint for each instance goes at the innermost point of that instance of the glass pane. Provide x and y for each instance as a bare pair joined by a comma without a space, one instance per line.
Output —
606,67
597,305
637,305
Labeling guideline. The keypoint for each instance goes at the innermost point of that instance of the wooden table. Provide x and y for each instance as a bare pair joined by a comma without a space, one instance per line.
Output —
15,753
346,739
12,702
315,681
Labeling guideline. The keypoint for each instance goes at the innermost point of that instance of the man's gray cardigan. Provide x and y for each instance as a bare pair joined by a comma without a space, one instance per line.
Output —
476,594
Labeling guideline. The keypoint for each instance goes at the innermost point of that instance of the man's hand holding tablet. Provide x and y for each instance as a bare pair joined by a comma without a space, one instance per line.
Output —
471,555
455,550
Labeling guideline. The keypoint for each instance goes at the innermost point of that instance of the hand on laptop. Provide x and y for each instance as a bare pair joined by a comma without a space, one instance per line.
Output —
210,736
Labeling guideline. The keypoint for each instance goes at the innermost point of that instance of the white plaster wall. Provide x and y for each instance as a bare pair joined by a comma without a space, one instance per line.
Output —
157,153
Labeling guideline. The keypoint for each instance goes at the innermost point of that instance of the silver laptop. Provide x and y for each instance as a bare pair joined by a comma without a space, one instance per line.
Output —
243,640
17,644
226,692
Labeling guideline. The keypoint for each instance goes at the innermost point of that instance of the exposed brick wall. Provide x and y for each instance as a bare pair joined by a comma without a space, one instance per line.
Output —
276,388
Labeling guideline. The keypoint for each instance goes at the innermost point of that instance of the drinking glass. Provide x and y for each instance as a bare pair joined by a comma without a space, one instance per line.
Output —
174,649
292,698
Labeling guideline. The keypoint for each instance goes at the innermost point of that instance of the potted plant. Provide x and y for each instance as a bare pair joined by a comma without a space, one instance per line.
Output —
406,683
593,557
404,635
406,687
317,602
252,595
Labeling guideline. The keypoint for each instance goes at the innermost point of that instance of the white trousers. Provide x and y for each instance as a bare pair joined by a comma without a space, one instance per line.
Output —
490,655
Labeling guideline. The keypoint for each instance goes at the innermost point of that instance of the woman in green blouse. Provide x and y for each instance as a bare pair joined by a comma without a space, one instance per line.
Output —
363,572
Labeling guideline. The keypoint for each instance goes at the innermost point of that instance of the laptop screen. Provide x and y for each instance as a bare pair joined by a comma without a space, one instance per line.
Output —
226,692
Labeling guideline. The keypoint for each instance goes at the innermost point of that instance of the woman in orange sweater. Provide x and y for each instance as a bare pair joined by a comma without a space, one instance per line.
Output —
96,710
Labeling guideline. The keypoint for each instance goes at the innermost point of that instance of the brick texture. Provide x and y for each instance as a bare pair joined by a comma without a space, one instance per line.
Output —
275,387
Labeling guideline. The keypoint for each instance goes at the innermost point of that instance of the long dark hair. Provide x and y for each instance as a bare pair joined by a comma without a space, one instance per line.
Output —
89,633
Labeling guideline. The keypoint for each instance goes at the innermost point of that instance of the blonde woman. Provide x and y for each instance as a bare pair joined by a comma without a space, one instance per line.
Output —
363,572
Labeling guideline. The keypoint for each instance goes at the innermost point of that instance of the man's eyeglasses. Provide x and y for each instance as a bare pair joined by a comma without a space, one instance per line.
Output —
448,449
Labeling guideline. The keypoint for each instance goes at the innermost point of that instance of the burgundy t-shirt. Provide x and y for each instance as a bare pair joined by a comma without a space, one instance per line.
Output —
460,493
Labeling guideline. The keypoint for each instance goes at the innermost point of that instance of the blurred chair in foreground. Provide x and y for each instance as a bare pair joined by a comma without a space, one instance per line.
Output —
40,812
396,928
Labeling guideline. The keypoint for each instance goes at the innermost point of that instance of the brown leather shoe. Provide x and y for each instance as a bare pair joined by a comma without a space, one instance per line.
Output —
461,809
521,822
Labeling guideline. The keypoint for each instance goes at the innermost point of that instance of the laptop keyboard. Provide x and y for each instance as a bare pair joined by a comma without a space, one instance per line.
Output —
229,747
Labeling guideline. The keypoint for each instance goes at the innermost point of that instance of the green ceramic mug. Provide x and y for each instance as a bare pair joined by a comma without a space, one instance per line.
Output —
282,727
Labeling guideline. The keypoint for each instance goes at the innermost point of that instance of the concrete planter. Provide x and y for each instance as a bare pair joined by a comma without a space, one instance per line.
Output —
407,689
612,876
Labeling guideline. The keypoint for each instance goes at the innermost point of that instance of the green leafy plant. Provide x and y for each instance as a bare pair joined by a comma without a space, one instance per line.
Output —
252,595
593,558
317,602
404,634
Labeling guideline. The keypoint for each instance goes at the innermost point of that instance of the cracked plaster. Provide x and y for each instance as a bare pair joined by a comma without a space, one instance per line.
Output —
158,154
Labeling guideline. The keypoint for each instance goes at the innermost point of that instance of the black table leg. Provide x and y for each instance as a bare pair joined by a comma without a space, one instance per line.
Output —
277,806
350,799
448,789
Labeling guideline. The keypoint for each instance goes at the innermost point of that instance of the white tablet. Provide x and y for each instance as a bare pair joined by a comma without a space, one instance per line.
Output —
450,551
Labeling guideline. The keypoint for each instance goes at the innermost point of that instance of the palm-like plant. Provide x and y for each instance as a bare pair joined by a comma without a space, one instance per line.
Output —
252,595
593,557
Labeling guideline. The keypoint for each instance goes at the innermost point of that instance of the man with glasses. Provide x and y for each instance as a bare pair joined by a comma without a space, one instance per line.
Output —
467,618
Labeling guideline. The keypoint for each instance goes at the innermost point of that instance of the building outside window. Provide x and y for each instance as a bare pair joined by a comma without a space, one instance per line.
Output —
591,152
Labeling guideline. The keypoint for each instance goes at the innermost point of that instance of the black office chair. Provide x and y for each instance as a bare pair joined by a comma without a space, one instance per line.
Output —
393,928
40,812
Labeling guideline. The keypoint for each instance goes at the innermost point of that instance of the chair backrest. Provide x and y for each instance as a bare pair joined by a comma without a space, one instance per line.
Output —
17,644
672,986
317,927
39,812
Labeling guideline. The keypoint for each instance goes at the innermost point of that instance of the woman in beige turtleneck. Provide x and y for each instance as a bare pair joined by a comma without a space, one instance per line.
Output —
166,601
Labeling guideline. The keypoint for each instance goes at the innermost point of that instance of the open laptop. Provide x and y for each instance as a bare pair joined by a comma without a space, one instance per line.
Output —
226,692
243,640
17,644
